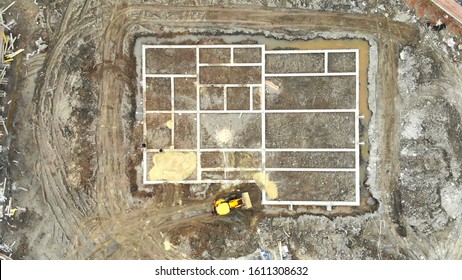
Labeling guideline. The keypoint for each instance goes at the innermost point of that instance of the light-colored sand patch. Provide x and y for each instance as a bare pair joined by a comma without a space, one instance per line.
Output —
173,166
167,245
243,160
224,136
264,183
169,124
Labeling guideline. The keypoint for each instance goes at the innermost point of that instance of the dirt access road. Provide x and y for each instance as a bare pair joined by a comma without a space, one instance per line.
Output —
105,221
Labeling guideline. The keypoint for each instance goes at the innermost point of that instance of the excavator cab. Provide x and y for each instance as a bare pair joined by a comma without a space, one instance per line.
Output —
223,206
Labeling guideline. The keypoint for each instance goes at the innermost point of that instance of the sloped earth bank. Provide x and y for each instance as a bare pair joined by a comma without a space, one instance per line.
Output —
80,135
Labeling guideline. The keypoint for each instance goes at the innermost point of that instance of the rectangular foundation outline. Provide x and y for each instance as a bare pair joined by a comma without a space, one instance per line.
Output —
263,113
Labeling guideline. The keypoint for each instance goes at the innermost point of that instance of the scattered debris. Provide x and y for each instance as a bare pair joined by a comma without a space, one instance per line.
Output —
2,191
451,43
1,15
40,18
265,255
4,125
8,50
438,26
41,47
9,211
284,252
7,249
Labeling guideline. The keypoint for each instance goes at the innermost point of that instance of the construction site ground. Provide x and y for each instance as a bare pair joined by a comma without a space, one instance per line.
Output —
226,113
77,131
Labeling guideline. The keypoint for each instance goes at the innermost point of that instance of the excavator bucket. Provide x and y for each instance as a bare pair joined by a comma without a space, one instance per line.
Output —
246,200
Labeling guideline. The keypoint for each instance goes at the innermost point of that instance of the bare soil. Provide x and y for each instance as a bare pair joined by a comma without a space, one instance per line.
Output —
247,55
185,94
317,93
292,130
295,63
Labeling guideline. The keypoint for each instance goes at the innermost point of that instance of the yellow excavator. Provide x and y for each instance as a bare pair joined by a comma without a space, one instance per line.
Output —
223,206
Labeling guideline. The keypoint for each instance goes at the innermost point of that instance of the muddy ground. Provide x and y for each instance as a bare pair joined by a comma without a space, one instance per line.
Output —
76,130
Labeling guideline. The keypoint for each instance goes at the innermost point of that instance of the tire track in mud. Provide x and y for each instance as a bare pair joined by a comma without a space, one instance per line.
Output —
275,18
139,231
112,184
67,207
388,129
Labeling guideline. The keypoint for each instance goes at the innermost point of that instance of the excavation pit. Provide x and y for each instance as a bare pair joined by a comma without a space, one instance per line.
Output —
283,117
